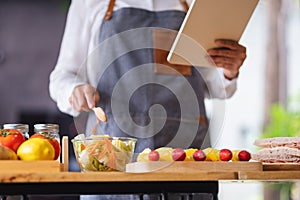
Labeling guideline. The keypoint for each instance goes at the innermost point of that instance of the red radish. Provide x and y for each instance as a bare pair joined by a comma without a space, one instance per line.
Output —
225,155
153,155
178,154
244,155
199,155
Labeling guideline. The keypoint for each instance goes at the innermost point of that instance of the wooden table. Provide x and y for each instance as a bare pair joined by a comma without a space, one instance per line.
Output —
185,177
269,176
176,177
110,182
128,183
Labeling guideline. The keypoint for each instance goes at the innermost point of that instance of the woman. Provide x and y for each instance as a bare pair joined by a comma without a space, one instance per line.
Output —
109,58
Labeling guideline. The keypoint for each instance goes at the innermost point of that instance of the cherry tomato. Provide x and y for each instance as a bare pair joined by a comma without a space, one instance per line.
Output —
51,140
11,138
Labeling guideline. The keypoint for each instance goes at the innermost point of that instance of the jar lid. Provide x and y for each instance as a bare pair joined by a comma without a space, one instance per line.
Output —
22,127
53,127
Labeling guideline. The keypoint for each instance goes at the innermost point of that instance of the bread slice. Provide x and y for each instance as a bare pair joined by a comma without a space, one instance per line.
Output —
277,154
293,142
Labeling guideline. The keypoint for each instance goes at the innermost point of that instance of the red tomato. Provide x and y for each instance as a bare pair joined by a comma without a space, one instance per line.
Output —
11,138
51,140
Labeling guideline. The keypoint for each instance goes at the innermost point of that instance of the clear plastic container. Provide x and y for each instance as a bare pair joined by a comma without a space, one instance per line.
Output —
23,128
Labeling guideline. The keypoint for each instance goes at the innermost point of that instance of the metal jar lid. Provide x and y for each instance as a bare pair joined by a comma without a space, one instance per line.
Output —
46,127
21,127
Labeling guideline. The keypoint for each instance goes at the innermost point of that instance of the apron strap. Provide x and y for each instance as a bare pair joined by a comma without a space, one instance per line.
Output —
110,9
111,5
185,5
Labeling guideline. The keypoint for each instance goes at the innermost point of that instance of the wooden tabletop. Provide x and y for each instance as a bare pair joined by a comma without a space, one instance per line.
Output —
15,183
114,176
176,171
269,176
28,177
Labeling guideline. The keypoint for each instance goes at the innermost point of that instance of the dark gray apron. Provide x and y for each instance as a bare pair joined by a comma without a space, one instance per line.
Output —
158,109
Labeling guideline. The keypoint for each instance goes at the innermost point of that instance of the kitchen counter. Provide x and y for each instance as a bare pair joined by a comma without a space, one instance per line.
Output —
50,177
109,182
120,182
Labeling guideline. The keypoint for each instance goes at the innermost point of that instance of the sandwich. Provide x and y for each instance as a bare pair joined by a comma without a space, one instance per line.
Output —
278,149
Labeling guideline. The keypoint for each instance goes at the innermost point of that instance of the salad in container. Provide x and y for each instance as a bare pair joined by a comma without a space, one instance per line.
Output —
103,153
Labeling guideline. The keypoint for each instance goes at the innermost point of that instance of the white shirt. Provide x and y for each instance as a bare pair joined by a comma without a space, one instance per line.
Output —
81,37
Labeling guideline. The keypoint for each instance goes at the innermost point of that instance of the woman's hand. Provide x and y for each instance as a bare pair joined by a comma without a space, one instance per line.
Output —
84,98
229,55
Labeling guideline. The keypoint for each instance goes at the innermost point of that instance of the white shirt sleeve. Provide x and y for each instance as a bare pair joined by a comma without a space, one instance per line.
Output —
217,85
70,71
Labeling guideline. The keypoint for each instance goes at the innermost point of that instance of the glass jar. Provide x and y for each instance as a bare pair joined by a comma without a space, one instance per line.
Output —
51,130
23,128
48,129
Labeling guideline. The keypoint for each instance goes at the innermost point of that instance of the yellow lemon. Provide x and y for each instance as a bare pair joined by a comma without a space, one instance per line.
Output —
211,154
143,156
36,149
189,154
165,153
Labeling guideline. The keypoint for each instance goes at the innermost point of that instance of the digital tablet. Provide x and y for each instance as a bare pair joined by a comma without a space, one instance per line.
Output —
206,21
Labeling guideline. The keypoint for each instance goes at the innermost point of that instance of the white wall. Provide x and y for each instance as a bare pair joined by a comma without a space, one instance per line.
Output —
244,112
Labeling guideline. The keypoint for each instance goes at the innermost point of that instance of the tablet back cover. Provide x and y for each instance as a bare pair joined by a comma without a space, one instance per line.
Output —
206,21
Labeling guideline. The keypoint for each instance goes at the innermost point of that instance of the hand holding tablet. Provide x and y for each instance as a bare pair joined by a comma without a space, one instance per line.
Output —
207,21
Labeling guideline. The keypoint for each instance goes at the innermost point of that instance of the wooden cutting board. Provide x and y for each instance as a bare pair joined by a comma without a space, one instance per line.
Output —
281,167
181,166
16,166
30,166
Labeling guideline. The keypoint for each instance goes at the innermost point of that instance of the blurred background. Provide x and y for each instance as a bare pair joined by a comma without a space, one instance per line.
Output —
30,35
267,102
268,86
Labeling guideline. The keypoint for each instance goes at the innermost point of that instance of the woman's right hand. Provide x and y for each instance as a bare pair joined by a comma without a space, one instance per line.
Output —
84,98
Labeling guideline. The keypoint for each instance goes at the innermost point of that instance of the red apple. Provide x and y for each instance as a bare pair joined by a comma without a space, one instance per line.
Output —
153,155
199,155
244,155
178,154
225,154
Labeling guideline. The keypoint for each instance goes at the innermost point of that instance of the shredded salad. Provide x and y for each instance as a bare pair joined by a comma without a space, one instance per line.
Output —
103,153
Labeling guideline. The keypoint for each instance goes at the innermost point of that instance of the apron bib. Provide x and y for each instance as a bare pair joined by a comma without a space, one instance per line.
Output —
142,94
160,109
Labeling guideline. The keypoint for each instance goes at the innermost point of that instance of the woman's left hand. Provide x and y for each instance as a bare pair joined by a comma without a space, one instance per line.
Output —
228,55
